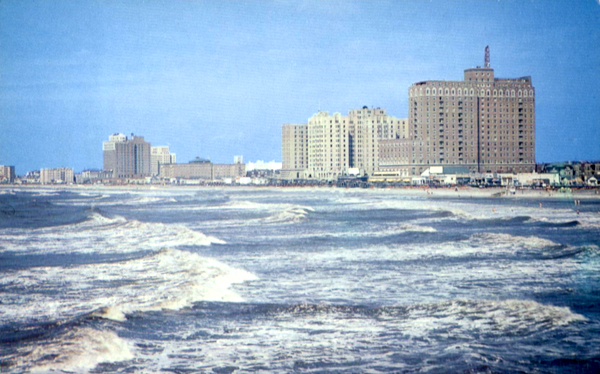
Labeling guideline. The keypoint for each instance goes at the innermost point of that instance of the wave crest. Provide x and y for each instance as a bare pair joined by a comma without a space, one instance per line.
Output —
167,279
78,350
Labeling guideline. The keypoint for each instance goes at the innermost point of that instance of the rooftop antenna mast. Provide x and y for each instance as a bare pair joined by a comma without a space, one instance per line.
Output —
487,57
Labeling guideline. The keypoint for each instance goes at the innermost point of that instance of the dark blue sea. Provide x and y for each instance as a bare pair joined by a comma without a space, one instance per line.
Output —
323,280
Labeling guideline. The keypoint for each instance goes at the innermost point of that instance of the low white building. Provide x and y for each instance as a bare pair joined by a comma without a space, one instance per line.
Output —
530,179
446,175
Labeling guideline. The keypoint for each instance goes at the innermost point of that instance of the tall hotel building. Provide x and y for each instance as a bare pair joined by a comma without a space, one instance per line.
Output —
329,145
484,123
127,158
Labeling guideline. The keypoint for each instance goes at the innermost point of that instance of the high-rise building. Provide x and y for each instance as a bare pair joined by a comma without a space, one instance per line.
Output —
294,150
329,145
127,158
161,156
368,128
482,122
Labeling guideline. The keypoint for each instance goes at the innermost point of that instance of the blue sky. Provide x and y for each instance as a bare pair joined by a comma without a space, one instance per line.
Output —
217,79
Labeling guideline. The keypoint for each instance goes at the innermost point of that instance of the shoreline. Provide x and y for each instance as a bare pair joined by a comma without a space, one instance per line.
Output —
444,192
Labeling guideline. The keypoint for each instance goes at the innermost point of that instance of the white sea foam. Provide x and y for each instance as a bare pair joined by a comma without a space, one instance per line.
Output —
497,241
489,317
407,227
102,234
289,215
168,279
79,350
314,334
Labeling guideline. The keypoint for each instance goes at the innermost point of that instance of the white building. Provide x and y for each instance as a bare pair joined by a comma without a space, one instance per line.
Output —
160,155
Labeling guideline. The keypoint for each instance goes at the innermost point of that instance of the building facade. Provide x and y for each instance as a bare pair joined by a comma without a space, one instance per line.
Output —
127,158
57,176
482,122
368,129
328,146
294,150
160,155
203,169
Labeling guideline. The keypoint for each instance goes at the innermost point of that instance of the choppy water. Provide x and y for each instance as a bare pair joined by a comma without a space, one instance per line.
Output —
306,280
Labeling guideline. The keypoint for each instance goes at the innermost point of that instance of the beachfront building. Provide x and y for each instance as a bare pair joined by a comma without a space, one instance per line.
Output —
203,169
127,158
328,146
161,155
7,174
368,129
484,123
57,176
294,151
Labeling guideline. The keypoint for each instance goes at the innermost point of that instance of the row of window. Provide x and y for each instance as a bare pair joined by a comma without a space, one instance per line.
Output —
472,92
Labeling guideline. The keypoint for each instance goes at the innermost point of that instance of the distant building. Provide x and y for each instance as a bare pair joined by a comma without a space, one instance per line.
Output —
127,158
195,169
160,156
576,172
7,174
57,176
221,171
203,169
92,176
32,177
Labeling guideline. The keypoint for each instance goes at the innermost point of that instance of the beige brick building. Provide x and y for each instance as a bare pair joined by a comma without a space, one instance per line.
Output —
482,122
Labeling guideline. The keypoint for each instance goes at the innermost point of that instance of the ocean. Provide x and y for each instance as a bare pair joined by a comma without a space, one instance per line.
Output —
309,280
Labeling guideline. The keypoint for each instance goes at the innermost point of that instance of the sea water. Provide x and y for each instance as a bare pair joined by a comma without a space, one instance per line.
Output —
296,280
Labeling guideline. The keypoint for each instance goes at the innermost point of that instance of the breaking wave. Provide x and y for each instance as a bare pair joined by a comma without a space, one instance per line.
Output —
511,241
289,215
496,318
78,350
168,279
101,234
